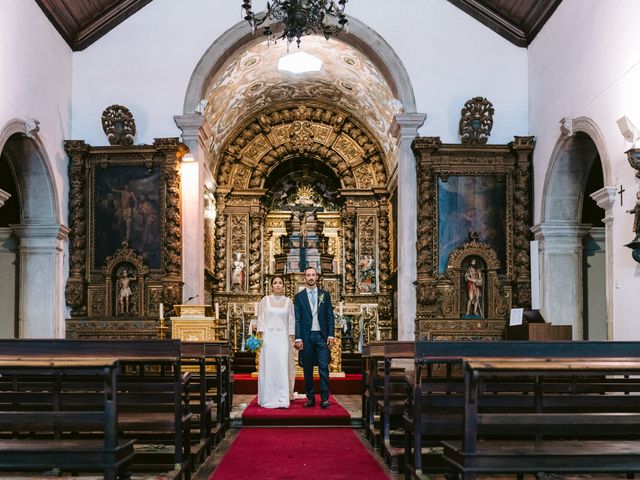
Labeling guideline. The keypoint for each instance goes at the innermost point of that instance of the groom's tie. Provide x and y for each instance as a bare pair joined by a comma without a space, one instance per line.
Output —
314,300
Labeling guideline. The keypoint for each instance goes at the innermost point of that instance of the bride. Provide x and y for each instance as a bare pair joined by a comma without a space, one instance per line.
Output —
276,325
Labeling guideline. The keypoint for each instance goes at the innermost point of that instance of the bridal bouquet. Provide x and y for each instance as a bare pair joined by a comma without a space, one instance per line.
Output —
253,343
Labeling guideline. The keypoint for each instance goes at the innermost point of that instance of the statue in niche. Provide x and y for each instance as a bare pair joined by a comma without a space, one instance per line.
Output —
238,274
125,277
474,289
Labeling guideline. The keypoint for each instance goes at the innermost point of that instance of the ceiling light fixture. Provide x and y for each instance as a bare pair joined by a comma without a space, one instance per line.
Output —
298,18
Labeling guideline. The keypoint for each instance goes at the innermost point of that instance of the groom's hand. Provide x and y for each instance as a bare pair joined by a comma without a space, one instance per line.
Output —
330,341
298,345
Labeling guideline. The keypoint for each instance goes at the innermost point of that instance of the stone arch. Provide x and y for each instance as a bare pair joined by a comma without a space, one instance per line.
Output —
583,139
28,159
359,35
40,233
561,233
304,128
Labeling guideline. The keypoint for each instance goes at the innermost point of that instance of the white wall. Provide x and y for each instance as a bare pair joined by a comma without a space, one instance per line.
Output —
35,82
146,62
586,63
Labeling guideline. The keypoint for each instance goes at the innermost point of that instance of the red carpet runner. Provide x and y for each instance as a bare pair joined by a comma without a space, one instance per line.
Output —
296,415
351,384
294,453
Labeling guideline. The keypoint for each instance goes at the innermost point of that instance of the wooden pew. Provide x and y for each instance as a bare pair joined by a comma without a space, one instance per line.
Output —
593,426
153,393
393,401
210,393
435,409
372,389
41,427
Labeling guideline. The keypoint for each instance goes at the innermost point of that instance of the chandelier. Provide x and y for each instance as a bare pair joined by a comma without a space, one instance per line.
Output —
298,18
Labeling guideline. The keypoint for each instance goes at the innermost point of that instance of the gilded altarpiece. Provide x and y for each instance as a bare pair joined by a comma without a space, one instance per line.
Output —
473,221
125,239
304,183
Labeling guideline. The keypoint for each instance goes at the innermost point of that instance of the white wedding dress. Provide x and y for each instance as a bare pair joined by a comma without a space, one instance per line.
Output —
276,374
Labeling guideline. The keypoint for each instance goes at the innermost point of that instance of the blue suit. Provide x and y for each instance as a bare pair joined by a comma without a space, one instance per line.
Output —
314,343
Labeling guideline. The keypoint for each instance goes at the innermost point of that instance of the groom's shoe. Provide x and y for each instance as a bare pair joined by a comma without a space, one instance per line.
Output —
309,404
324,404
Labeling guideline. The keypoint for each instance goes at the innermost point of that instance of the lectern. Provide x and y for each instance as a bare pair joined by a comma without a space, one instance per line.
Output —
539,331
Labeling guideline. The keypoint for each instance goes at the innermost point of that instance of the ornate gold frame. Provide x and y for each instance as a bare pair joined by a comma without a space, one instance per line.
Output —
338,140
90,288
438,294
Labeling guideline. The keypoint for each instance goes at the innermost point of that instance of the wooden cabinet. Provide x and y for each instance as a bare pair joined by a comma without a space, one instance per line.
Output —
539,331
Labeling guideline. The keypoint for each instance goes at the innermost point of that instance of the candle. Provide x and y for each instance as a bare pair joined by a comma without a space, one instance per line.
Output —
161,308
255,308
341,307
217,308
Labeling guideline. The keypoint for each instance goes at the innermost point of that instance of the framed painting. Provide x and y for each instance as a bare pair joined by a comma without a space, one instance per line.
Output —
471,203
127,203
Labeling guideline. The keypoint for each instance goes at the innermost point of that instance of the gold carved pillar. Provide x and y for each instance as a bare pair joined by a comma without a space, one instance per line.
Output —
77,150
220,279
256,220
349,235
522,148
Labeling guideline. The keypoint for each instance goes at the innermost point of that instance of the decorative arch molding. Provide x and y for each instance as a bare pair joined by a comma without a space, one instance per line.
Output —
360,36
303,128
569,127
19,139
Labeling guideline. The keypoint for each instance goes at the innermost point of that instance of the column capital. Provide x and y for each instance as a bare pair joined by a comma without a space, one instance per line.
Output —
407,124
189,124
38,236
551,230
605,197
4,196
560,237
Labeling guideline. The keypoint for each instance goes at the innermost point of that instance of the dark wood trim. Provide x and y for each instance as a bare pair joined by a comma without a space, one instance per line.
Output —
80,35
106,22
521,31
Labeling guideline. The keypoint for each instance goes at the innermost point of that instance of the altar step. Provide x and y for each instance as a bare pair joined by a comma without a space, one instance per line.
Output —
245,362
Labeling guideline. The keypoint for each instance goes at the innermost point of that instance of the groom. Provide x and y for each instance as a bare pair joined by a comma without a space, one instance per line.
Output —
314,335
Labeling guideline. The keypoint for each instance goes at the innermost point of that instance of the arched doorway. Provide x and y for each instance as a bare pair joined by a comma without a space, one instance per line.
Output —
574,233
36,235
9,215
393,121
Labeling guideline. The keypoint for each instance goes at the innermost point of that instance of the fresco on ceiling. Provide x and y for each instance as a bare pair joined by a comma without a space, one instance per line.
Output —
252,82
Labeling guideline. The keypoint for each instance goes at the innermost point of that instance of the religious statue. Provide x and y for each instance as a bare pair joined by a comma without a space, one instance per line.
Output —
636,218
473,278
238,274
125,277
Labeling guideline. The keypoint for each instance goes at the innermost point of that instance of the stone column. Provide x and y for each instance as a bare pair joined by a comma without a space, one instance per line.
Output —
41,280
605,198
406,127
193,176
561,273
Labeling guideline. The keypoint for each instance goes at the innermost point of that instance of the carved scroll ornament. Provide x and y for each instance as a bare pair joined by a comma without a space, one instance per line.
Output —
476,120
118,125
